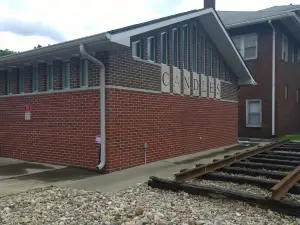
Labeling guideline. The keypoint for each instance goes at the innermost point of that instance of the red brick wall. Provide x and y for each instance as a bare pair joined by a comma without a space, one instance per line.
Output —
287,74
62,129
171,125
261,70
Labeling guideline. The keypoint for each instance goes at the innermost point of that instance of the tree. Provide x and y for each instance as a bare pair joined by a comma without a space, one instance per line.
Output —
4,52
38,46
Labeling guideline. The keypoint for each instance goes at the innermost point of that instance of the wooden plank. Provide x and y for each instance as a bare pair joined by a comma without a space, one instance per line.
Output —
286,207
199,171
266,166
274,161
281,188
259,182
281,157
254,172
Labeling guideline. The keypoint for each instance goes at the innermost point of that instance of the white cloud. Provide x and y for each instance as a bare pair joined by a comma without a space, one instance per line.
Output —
73,18
46,19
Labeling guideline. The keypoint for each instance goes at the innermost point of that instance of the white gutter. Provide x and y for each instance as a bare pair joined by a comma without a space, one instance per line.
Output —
102,104
273,76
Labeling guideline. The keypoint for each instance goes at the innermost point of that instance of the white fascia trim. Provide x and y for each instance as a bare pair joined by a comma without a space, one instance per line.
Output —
251,79
124,37
260,20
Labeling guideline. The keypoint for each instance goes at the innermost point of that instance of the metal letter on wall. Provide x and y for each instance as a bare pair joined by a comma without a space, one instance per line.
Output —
204,86
176,81
211,87
186,82
165,78
196,84
218,88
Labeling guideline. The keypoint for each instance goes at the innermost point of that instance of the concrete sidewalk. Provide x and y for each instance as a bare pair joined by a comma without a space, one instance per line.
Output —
117,181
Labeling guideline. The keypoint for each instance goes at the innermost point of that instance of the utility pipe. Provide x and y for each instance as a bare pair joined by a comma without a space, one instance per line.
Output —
102,104
273,76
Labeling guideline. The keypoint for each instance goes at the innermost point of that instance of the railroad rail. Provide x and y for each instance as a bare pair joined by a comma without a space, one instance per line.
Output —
275,167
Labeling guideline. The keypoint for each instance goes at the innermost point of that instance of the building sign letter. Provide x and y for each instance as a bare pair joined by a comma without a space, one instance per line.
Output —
165,78
195,84
211,86
186,82
218,88
176,81
203,86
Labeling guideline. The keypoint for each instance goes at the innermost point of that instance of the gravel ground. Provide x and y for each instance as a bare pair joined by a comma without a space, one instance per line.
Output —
137,205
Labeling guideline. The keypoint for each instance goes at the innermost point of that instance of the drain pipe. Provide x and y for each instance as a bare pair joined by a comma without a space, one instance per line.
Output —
102,104
273,77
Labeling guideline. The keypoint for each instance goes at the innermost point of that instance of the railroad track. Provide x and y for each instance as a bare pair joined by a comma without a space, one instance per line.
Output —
275,167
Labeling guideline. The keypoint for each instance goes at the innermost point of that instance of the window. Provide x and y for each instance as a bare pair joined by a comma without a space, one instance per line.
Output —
164,48
66,75
136,49
253,113
21,81
194,48
298,56
49,77
209,63
84,70
35,81
247,45
185,47
293,53
227,76
175,47
286,92
203,54
217,67
9,84
151,49
284,48
222,75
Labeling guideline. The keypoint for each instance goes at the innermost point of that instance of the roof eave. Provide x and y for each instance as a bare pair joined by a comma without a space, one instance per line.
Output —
56,47
260,20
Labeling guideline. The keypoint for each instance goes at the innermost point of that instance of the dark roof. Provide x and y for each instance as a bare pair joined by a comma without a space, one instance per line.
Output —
280,8
236,17
151,22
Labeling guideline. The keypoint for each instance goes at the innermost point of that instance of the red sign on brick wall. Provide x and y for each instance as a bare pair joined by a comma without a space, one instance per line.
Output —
27,108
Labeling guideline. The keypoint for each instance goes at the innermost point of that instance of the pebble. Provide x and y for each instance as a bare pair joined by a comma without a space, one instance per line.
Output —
60,206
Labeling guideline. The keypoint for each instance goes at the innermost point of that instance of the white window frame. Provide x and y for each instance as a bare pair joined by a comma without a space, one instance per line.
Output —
134,49
284,48
173,47
293,53
185,47
84,73
162,47
242,45
149,49
194,48
247,112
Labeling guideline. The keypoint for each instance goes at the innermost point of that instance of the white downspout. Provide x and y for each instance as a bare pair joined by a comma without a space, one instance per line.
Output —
273,77
102,104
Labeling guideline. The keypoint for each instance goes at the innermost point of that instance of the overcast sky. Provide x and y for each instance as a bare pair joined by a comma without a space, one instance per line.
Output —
26,23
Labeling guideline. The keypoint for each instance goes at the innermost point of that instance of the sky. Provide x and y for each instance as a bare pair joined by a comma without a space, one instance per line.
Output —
27,23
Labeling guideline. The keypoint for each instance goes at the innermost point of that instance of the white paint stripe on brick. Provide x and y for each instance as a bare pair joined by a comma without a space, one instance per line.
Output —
157,92
133,89
225,100
52,92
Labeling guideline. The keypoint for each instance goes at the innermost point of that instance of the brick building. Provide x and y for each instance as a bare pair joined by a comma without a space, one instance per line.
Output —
269,41
154,90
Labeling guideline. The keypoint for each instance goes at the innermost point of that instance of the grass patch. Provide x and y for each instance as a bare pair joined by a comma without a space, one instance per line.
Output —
291,137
